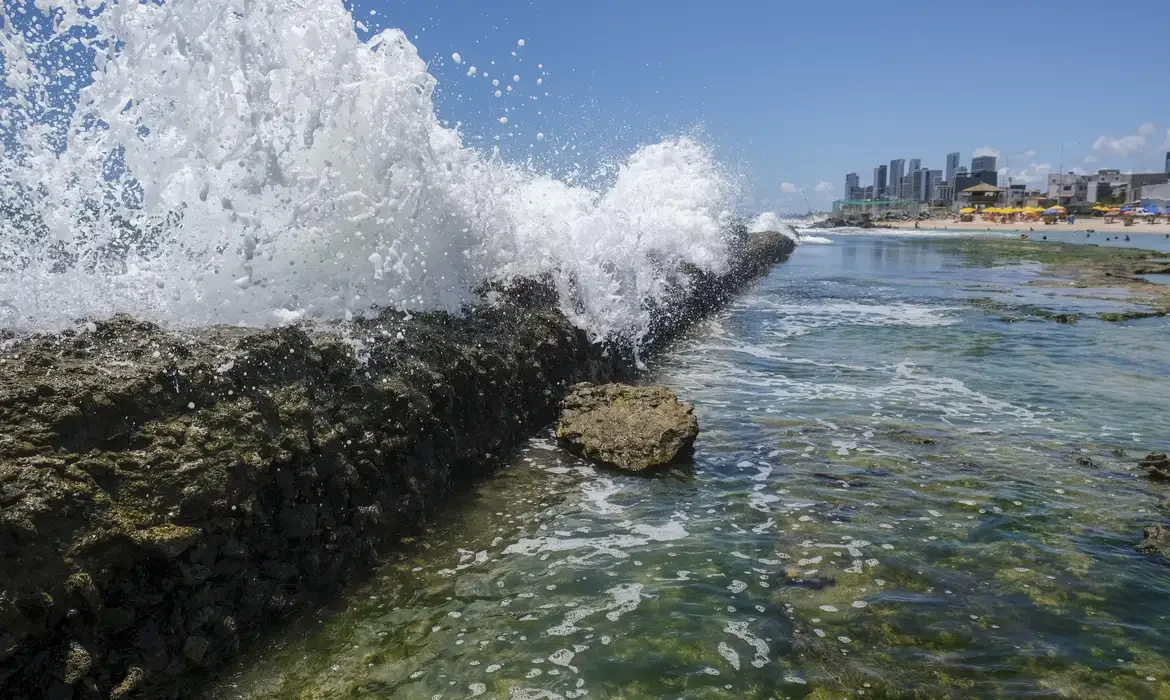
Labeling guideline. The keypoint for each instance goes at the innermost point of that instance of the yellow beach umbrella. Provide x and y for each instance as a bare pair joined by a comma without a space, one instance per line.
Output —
967,210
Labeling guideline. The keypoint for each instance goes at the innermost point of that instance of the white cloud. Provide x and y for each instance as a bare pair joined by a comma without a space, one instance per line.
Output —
788,188
1129,145
1033,174
1030,153
1123,147
985,151
1166,143
827,188
1090,159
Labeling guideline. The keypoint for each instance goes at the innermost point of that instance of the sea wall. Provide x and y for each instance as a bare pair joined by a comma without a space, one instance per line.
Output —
164,494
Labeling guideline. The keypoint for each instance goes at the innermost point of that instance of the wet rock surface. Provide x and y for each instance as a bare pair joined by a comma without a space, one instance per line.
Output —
1155,541
629,427
1156,465
164,495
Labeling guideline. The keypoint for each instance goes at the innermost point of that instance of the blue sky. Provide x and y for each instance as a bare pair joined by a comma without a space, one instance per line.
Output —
796,94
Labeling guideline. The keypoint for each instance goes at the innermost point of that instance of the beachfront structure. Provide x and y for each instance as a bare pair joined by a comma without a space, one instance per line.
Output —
894,177
963,180
1156,195
982,163
981,195
952,166
879,181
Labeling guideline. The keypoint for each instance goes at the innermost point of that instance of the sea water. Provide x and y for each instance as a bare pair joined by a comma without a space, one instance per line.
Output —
255,162
895,493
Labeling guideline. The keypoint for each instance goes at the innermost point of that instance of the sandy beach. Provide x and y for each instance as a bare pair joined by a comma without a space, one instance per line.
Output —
1082,224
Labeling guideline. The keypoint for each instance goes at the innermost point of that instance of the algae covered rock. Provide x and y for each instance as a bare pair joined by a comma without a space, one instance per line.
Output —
629,427
1157,465
1156,541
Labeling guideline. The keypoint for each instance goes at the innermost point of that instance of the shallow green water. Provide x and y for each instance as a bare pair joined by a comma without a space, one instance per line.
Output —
896,493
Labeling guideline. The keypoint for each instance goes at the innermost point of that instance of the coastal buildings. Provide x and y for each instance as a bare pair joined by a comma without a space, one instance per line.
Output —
905,185
1107,185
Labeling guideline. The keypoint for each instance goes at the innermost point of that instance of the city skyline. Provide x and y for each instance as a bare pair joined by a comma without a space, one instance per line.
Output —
924,184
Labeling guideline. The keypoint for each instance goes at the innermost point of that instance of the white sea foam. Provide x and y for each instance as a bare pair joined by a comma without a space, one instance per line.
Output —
283,169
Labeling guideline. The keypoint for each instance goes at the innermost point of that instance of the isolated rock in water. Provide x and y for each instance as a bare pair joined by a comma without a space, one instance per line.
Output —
629,427
1155,540
1157,465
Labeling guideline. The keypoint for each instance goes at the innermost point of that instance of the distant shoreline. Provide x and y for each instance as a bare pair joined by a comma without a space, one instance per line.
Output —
1085,224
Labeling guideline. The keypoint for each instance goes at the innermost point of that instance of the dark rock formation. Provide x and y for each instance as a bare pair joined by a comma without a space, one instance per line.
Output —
628,427
164,494
1157,465
1155,541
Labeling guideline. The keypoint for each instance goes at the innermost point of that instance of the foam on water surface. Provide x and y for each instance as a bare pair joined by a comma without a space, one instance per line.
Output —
255,162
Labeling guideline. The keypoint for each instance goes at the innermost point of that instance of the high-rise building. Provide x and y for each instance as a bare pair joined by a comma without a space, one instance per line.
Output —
952,166
933,180
915,164
852,182
920,181
981,163
1168,162
897,170
879,181
868,192
906,187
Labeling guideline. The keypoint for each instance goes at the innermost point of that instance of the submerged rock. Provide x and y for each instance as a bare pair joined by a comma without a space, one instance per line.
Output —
1155,541
1157,465
629,427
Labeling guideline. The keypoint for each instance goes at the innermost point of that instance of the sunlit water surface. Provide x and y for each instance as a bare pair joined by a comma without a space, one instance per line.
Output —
895,494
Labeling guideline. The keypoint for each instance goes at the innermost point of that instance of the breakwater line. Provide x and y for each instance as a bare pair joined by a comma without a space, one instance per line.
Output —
164,494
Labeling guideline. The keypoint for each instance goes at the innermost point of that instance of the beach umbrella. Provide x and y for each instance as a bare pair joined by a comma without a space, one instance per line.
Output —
1054,211
967,210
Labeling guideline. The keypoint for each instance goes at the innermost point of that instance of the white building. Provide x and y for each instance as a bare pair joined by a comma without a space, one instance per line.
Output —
1068,188
1157,195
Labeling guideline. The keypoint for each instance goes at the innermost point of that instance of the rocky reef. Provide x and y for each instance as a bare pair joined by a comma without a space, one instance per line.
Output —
629,427
165,494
